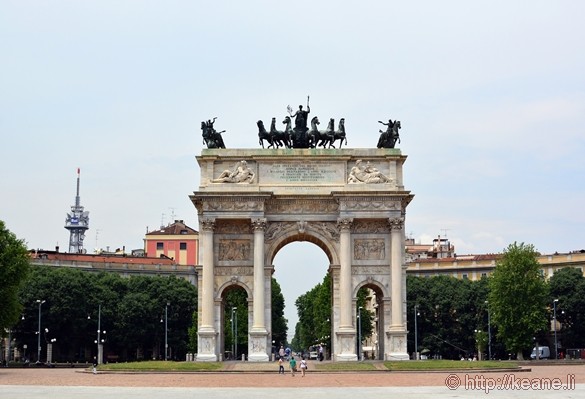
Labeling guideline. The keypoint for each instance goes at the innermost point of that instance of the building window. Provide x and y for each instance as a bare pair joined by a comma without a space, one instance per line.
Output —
465,277
484,274
160,246
183,246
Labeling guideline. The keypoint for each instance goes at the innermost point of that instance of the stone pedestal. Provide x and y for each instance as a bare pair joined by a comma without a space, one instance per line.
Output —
346,344
207,346
258,351
397,345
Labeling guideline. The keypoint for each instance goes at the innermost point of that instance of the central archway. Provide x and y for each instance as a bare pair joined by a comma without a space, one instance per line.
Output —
298,268
303,195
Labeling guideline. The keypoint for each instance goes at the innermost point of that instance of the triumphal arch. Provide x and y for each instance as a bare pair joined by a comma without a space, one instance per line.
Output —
350,202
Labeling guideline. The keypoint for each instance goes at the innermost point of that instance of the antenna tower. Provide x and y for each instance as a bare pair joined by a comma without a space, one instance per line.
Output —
77,222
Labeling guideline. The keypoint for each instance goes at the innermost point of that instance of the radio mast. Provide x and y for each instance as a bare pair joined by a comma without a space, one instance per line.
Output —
77,222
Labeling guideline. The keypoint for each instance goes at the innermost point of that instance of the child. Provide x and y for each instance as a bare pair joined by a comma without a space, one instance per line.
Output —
293,365
280,366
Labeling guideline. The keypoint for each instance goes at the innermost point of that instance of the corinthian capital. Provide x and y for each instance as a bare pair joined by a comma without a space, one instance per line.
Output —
396,223
207,224
259,224
344,223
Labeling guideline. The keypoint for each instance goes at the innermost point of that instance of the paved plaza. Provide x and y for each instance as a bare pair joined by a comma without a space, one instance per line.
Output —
246,383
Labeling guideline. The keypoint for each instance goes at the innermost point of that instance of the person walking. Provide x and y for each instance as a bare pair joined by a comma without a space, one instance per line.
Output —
304,366
280,366
293,365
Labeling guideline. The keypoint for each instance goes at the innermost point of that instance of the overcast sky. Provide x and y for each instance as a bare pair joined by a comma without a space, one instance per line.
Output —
490,95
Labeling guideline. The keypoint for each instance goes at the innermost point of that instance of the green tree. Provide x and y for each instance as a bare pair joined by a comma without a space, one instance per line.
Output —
14,267
449,312
518,297
367,316
131,311
568,285
236,306
279,322
314,311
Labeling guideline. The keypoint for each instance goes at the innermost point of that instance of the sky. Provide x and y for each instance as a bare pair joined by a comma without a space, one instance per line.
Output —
490,95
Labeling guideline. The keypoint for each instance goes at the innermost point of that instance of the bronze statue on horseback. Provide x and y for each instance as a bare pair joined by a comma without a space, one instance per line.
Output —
390,136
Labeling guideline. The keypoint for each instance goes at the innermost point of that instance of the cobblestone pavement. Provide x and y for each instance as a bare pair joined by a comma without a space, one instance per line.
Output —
80,384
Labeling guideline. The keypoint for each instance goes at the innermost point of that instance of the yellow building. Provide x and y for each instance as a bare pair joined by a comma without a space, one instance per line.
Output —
439,259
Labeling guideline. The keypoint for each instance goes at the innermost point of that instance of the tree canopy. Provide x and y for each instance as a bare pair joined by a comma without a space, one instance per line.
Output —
518,298
314,310
131,311
14,268
450,313
567,286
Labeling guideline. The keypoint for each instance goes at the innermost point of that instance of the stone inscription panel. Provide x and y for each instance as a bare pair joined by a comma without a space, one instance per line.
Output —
306,172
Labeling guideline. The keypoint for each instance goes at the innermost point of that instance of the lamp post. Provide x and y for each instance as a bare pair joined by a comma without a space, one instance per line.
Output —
233,342
416,332
49,346
40,302
360,333
489,332
235,319
478,339
99,341
555,326
166,331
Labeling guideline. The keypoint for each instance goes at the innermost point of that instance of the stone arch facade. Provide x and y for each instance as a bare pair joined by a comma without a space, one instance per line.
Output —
351,203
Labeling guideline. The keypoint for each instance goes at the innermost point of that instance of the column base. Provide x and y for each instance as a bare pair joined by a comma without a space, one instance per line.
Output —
396,356
206,347
397,345
257,347
346,357
258,357
206,357
345,341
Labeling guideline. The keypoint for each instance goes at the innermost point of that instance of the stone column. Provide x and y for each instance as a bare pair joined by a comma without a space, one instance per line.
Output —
397,332
258,333
396,226
346,333
206,350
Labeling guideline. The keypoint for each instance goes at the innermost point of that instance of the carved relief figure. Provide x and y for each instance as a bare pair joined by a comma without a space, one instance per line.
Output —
369,249
240,174
234,250
366,173
273,230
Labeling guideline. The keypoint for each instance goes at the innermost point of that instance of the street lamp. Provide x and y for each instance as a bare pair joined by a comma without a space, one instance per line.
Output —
416,314
40,302
478,341
99,342
489,332
235,335
360,333
49,343
166,331
555,326
233,342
